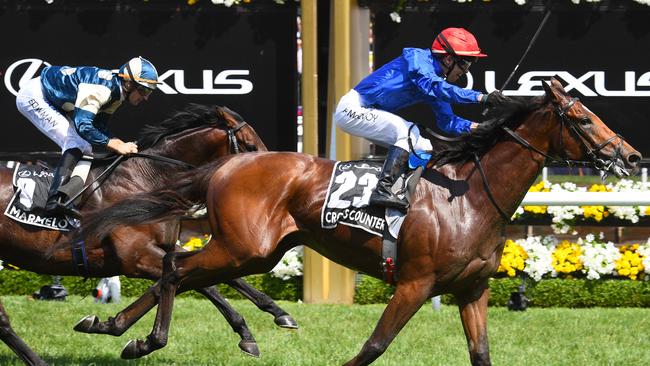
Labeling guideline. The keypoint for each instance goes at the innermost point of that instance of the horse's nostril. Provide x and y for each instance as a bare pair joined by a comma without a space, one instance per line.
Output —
633,158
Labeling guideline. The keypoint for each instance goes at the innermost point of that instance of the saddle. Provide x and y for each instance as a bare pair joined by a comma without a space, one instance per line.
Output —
347,198
31,184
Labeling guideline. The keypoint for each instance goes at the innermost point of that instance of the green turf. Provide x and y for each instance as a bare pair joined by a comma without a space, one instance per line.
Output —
331,334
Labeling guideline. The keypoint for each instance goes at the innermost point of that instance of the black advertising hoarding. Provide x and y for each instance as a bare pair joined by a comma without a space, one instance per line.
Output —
240,57
601,53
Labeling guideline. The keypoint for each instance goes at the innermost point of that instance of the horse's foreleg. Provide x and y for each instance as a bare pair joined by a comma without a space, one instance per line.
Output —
123,320
20,348
264,303
236,321
473,313
406,301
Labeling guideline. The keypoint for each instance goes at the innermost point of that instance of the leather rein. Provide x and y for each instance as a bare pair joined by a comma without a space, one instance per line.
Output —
233,147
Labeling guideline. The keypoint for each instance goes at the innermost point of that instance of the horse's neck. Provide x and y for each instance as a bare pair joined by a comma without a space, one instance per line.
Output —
510,169
131,176
141,174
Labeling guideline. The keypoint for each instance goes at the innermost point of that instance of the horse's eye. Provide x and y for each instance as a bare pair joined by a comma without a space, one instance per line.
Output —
585,121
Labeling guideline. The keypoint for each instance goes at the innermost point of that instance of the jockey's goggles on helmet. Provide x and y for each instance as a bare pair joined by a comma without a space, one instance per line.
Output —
464,63
145,92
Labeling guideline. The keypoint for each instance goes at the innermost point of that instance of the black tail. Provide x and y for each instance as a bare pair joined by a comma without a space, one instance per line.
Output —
187,190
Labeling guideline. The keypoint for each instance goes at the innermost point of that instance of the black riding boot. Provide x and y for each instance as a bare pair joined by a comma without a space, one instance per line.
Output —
55,198
394,166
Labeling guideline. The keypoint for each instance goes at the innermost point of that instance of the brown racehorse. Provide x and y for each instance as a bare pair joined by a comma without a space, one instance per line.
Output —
196,135
262,204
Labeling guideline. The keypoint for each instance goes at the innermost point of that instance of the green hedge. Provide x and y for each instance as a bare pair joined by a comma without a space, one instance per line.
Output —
547,293
575,293
13,282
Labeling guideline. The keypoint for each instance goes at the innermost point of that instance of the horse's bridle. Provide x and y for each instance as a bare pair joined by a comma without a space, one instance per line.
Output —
574,127
232,138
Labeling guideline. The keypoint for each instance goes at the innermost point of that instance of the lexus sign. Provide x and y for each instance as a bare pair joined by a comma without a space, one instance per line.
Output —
243,58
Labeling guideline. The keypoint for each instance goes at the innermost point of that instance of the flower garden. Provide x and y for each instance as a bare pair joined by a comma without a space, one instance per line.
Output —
541,257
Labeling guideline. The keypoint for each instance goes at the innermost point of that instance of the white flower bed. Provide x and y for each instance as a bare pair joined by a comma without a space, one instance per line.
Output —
563,217
290,265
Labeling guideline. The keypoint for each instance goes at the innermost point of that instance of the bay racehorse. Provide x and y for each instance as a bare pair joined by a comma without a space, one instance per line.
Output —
262,204
197,135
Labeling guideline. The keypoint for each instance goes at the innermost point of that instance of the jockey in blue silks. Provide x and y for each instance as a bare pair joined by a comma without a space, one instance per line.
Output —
417,76
72,106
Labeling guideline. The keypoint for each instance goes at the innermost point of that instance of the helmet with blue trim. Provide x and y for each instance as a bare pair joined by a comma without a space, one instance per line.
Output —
141,71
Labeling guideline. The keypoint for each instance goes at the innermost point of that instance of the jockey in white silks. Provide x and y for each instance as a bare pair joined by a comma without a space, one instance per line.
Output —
417,76
72,106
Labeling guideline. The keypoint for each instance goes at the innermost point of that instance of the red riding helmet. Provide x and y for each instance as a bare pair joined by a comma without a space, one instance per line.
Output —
458,42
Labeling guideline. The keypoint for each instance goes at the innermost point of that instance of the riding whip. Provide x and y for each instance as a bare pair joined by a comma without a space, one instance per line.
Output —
530,45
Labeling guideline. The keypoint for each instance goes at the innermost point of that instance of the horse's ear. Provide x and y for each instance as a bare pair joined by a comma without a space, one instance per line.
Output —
548,90
557,84
553,90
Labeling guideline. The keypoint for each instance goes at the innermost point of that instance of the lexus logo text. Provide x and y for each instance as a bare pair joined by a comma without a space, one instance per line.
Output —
173,81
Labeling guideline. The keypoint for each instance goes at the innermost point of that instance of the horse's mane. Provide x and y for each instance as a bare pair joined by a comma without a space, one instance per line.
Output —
192,116
486,134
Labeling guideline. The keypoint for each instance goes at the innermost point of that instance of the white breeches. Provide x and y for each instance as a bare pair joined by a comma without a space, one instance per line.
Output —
380,127
32,104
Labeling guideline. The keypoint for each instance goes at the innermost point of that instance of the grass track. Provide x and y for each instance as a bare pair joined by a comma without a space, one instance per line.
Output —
331,334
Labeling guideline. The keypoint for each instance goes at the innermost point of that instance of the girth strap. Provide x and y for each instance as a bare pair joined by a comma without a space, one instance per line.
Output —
79,257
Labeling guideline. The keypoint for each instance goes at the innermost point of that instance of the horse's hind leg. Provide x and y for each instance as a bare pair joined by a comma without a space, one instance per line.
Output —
247,344
264,303
119,324
406,301
167,287
473,313
14,342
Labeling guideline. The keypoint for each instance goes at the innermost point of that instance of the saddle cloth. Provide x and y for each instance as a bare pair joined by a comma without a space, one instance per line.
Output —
31,184
349,191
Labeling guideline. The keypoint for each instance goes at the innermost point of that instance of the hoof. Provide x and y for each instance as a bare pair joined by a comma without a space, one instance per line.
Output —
130,351
286,321
250,348
85,324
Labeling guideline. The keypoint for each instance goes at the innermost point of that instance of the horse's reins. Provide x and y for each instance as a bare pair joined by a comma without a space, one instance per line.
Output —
232,146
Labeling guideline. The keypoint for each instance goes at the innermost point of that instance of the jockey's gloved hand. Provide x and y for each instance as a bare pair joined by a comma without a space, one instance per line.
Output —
495,99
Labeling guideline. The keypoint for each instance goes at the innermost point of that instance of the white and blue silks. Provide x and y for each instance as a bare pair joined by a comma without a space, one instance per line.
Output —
72,105
414,77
